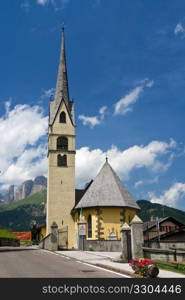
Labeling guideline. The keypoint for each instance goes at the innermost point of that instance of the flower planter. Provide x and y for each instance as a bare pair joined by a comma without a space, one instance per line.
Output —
144,268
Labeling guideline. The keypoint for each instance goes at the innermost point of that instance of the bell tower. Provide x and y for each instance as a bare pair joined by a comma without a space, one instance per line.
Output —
61,154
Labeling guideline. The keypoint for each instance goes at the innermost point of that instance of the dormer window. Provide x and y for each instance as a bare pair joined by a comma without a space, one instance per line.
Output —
63,117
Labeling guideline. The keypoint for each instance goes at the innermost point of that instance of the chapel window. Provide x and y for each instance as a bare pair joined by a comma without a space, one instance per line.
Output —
89,225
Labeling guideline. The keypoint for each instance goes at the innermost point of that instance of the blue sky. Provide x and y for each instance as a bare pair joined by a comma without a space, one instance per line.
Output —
126,68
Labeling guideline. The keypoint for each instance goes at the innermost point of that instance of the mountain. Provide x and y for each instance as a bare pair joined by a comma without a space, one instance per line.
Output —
20,216
9,196
149,210
26,189
39,184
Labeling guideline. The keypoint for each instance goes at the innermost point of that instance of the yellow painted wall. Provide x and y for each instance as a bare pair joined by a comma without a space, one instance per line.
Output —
42,232
111,220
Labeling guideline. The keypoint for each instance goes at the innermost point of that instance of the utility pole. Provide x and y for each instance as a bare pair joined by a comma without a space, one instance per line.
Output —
158,233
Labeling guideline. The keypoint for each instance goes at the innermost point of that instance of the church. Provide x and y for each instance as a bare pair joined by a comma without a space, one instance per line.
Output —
105,203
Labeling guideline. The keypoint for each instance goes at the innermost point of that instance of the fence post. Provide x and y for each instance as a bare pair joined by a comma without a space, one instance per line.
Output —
137,237
126,242
82,224
54,236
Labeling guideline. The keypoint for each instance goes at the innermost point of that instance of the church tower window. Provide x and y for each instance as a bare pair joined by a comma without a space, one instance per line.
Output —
62,143
62,160
63,117
89,224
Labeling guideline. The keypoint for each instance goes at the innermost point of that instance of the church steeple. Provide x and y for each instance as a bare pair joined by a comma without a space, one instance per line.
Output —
62,90
61,156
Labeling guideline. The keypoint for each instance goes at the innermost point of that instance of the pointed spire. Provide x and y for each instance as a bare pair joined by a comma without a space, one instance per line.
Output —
62,90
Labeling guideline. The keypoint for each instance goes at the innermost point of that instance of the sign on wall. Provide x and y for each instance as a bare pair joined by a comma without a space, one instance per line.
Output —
82,229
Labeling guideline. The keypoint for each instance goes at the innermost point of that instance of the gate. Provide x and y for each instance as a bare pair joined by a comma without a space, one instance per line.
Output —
63,238
129,249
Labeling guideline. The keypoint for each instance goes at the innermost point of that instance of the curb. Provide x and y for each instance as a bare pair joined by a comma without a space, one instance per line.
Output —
110,268
124,272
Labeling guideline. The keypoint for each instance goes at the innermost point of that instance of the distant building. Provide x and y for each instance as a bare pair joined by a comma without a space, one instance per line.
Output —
156,229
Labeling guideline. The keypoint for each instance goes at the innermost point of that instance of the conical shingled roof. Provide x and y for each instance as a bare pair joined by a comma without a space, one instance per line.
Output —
107,191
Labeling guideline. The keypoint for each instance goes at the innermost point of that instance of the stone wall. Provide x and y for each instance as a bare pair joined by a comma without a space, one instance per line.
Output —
49,242
165,244
163,255
103,245
9,242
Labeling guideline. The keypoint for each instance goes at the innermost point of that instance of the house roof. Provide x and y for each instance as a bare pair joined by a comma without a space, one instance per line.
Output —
151,224
78,195
107,190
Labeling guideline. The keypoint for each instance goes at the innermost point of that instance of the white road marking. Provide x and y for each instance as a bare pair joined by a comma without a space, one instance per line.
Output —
89,265
100,268
47,251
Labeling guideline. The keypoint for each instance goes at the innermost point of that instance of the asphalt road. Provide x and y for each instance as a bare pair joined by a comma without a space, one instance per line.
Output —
36,263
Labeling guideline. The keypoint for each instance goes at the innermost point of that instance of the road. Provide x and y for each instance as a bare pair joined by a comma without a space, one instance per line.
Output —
37,263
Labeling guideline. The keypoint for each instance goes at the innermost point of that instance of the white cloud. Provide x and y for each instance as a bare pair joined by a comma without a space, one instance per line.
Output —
31,163
124,105
25,5
150,83
21,129
57,4
95,120
91,121
42,2
24,153
124,162
147,181
170,197
47,93
138,183
103,111
179,30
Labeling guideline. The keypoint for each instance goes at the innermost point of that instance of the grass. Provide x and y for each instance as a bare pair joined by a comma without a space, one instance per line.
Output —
178,268
6,233
173,267
26,242
35,199
20,215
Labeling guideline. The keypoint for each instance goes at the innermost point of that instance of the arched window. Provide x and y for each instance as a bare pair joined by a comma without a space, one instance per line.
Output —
63,117
62,160
89,226
62,143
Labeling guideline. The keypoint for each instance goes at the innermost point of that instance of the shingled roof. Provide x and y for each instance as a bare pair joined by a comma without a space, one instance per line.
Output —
107,191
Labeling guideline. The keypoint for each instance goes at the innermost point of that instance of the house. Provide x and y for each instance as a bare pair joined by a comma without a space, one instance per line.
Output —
155,230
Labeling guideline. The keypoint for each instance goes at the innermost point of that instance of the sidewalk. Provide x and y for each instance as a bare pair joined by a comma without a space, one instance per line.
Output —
107,260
